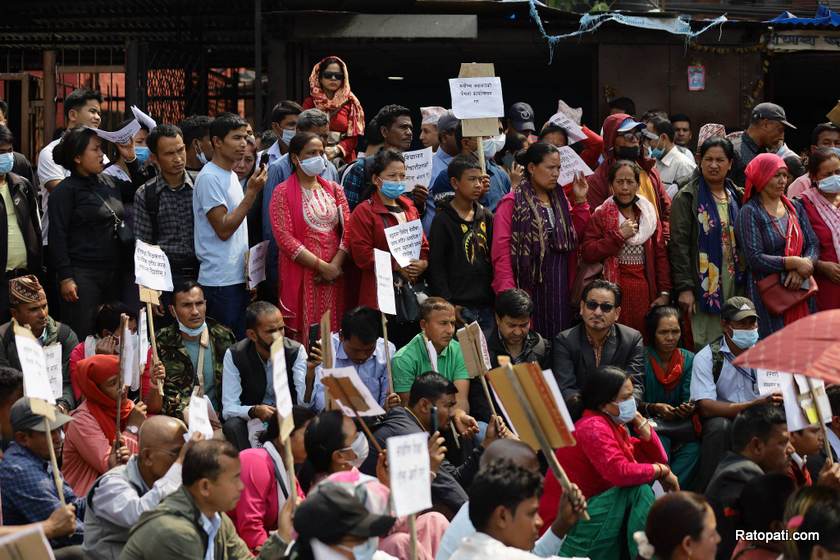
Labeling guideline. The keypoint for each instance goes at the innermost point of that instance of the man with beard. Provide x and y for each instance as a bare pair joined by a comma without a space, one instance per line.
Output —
247,388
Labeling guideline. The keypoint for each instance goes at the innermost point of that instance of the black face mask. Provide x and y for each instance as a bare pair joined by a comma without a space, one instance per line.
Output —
627,152
629,204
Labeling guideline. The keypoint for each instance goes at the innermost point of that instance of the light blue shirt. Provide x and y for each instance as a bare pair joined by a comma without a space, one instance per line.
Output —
461,527
211,527
374,374
222,262
192,347
734,384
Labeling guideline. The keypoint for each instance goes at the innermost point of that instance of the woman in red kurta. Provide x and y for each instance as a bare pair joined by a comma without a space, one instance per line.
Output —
626,236
822,204
308,214
329,91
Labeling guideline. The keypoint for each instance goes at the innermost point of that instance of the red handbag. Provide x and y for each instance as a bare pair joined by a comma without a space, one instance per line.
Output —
777,298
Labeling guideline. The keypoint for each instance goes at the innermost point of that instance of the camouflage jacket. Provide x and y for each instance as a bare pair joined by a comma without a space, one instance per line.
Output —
180,372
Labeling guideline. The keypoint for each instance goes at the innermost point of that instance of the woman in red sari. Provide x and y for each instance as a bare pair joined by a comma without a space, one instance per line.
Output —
308,216
625,235
329,91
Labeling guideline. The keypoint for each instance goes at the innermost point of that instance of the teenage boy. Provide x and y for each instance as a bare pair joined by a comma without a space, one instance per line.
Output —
460,270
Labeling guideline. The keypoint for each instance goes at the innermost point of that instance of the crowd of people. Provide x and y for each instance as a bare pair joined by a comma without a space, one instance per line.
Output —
637,285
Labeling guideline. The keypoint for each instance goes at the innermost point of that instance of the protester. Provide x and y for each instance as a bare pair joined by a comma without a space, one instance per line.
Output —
760,511
598,341
626,235
448,148
247,375
706,262
93,446
765,133
118,498
333,443
29,489
20,234
429,117
613,469
265,480
460,269
119,169
11,389
667,396
760,444
329,91
824,136
20,164
506,157
535,238
820,202
189,361
808,442
622,105
308,214
520,118
284,122
776,237
675,168
192,519
89,236
817,462
683,134
821,519
199,145
29,308
679,525
359,345
244,167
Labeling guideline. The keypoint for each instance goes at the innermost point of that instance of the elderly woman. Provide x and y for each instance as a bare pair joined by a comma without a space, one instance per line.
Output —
777,240
626,235
329,91
822,205
706,266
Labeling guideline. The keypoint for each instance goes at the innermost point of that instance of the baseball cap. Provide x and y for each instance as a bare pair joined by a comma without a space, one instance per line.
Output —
521,117
22,418
772,112
738,308
629,125
331,511
447,122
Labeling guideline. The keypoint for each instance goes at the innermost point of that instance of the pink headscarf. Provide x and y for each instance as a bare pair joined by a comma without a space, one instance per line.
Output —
759,171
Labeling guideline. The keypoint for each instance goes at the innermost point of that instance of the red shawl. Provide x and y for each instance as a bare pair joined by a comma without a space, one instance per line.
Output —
356,118
92,372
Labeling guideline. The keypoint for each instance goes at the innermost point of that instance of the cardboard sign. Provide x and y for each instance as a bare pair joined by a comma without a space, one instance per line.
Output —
199,417
573,130
384,282
571,164
52,358
256,264
349,391
768,381
551,381
541,401
404,241
121,136
418,168
409,470
282,395
33,363
143,118
800,409
477,98
474,349
326,341
151,267
25,544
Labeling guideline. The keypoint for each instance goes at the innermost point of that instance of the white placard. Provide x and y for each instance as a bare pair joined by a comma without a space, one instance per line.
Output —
485,352
430,348
404,241
143,333
256,264
33,363
573,131
792,387
570,164
477,98
280,379
151,267
130,359
768,381
550,380
418,168
384,282
52,358
199,417
121,136
349,372
409,470
143,118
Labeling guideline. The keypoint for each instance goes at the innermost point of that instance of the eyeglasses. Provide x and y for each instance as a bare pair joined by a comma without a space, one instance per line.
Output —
334,76
630,136
605,307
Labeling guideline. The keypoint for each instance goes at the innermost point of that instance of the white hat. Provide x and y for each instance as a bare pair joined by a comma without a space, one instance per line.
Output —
430,115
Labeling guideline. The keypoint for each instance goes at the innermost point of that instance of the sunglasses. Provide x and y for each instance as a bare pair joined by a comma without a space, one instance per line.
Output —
334,76
605,307
630,136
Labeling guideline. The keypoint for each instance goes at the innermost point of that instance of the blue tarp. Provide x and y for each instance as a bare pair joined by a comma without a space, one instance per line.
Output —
824,18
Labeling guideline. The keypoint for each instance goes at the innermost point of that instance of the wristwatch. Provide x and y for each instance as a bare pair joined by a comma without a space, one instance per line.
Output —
133,429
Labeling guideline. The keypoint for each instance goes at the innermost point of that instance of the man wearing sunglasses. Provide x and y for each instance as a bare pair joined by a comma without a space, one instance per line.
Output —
598,341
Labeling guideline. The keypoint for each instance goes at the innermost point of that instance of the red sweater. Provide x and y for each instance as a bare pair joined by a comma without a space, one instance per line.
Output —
366,232
605,456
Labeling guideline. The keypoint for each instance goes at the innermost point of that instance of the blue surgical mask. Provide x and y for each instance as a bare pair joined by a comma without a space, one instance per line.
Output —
830,184
142,153
313,166
745,338
366,550
626,411
657,153
288,134
191,332
393,189
836,151
7,161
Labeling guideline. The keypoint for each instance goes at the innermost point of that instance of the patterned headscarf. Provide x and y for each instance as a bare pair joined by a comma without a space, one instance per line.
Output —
708,131
25,289
356,118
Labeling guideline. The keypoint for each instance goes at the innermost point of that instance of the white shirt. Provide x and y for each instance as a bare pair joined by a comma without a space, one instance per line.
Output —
675,169
48,170
734,384
481,546
685,151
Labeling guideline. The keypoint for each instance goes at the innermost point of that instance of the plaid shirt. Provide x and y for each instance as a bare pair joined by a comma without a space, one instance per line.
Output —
29,494
174,218
354,183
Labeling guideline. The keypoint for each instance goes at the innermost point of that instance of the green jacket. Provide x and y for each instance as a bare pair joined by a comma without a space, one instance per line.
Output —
173,531
683,248
180,372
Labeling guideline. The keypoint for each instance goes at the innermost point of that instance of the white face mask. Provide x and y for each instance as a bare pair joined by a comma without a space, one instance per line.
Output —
360,448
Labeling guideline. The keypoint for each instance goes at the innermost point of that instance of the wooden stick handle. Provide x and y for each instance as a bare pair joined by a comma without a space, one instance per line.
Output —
412,528
59,485
481,162
150,321
387,354
290,470
361,420
483,378
818,406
